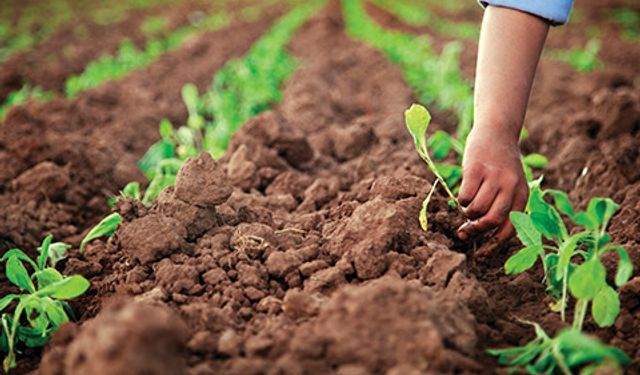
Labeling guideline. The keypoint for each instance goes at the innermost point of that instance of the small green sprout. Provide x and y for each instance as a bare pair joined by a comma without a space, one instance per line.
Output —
581,59
106,227
41,304
417,119
130,191
570,349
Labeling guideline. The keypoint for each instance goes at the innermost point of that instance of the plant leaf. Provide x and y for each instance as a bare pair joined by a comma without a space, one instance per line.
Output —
526,230
535,160
606,306
20,255
625,265
602,209
563,203
417,120
6,300
587,280
44,252
523,259
106,227
566,251
425,204
440,144
48,276
17,274
68,288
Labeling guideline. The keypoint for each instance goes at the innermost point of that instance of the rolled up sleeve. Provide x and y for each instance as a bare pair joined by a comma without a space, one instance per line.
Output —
555,11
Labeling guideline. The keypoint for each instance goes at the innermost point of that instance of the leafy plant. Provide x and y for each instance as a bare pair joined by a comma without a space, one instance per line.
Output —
585,280
41,305
417,120
130,191
106,227
570,349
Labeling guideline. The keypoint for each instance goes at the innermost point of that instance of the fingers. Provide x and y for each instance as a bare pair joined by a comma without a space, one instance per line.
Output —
482,201
471,182
494,217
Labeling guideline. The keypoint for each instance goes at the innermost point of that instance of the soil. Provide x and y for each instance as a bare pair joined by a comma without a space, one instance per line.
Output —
300,252
68,51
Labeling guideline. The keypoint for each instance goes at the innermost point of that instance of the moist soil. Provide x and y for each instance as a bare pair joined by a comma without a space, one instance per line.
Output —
300,252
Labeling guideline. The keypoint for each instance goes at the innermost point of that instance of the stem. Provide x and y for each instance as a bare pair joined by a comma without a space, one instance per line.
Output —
580,313
564,294
432,166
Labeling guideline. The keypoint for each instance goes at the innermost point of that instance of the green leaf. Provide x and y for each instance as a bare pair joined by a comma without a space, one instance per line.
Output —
17,274
48,276
44,252
159,151
68,288
106,227
57,252
526,230
566,251
6,300
132,190
587,280
603,209
562,202
535,160
625,265
440,144
55,312
166,129
190,96
17,253
417,120
606,306
523,259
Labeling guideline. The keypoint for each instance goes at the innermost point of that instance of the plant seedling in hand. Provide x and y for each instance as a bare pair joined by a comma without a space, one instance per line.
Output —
417,119
41,304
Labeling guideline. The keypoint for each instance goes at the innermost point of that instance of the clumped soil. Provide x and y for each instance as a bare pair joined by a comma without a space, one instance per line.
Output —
300,252
63,159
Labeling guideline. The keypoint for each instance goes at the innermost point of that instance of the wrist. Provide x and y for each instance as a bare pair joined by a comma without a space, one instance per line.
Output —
502,128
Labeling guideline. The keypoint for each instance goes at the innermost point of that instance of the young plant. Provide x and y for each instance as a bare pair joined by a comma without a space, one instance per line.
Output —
41,307
130,191
570,349
106,227
581,59
585,280
417,120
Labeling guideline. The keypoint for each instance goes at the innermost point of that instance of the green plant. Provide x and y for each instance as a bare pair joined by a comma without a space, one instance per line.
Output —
571,264
585,280
417,120
581,59
130,191
41,304
22,96
568,350
153,26
629,20
420,15
106,227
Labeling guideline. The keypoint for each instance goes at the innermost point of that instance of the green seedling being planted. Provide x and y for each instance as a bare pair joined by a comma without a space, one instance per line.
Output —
417,119
570,349
41,306
105,228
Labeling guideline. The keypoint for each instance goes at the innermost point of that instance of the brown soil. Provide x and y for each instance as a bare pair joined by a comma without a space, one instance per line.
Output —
69,50
64,158
300,251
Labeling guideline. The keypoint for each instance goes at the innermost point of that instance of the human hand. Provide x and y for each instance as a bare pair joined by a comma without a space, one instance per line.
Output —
493,183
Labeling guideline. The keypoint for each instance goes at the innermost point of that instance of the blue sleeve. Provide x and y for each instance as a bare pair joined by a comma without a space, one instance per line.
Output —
555,11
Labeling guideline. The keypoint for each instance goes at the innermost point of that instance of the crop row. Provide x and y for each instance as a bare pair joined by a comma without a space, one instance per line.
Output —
129,58
36,21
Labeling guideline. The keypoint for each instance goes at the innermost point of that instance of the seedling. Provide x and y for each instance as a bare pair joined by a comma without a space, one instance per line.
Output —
41,304
130,191
585,280
581,59
417,119
570,349
106,227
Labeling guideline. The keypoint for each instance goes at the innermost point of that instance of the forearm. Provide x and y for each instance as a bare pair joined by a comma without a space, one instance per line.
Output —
510,45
